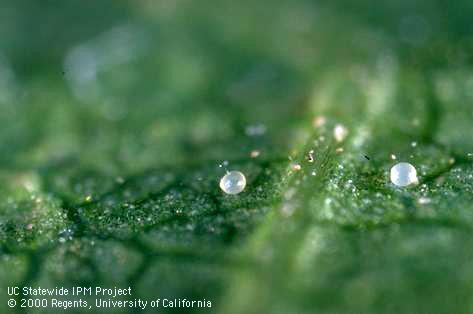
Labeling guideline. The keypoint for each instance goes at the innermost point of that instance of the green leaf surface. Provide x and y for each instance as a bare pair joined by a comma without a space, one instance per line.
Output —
115,132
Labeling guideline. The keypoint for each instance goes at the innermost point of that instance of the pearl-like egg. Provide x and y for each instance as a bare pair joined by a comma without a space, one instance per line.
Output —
234,182
403,174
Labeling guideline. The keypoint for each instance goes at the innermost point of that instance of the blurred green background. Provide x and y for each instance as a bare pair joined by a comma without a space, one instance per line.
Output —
118,119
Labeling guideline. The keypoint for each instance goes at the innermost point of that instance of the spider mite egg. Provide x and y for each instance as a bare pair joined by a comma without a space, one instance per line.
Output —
233,182
403,174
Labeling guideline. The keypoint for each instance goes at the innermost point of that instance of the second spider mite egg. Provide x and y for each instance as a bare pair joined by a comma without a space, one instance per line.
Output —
403,174
234,182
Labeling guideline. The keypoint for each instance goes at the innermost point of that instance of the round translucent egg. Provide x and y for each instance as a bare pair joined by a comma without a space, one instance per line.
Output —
234,182
404,174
